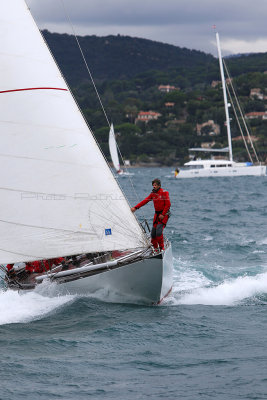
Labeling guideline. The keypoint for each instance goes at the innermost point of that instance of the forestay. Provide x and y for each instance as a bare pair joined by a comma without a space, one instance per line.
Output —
113,149
57,194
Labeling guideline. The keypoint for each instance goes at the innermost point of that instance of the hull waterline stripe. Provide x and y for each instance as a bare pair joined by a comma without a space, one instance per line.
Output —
37,88
164,297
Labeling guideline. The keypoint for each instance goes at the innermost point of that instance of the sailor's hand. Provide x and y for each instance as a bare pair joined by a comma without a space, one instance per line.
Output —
133,209
161,217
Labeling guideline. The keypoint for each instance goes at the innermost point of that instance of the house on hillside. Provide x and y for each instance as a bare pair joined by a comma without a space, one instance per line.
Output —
256,114
256,93
209,128
146,116
167,88
169,105
216,83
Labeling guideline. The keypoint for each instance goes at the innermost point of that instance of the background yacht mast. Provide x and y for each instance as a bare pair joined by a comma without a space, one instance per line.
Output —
225,99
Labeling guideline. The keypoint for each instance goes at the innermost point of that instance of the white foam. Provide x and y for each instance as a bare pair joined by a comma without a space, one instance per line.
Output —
208,238
24,307
263,241
188,280
226,293
185,277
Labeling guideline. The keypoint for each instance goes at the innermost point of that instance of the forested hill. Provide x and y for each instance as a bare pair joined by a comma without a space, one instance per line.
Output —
124,57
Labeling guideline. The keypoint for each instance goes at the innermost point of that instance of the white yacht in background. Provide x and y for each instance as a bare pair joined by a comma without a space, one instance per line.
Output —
198,168
114,151
223,167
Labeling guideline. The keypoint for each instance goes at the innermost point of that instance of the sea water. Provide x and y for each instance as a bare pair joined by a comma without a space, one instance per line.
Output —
206,341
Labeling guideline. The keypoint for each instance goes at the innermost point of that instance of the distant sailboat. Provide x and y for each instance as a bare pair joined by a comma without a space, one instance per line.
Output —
198,168
113,150
58,196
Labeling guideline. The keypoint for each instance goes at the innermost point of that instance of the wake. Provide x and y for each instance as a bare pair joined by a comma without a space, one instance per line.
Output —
229,292
25,307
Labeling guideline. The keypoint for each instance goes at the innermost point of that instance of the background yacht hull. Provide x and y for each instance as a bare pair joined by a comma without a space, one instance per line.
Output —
258,170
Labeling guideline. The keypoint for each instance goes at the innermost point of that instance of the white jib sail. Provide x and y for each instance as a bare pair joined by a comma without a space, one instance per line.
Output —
113,149
57,194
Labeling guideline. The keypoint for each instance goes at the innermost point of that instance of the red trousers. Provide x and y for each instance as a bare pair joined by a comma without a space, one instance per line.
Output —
157,239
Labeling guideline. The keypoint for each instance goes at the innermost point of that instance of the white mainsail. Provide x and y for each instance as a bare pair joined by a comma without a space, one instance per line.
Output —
57,194
113,149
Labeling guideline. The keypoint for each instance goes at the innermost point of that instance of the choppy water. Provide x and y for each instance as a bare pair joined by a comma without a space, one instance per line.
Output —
207,341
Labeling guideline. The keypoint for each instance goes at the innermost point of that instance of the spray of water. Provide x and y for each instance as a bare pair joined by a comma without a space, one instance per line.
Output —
25,307
229,292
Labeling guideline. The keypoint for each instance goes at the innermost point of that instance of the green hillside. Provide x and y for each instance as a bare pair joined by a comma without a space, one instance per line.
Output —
128,72
123,57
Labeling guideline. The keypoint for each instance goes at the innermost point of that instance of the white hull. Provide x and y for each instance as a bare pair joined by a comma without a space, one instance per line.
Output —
258,170
124,175
147,281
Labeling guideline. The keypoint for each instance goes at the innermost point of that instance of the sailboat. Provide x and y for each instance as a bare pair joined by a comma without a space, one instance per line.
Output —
198,168
114,151
58,196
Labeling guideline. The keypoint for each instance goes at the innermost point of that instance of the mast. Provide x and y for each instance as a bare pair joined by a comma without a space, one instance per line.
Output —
225,99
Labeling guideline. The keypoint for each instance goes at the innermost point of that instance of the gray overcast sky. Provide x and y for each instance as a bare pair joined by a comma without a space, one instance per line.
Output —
186,23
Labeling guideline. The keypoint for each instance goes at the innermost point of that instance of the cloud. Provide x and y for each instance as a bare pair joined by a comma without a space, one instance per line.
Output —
240,46
186,23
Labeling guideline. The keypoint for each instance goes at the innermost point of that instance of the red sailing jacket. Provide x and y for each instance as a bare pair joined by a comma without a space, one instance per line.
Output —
43,266
161,202
34,266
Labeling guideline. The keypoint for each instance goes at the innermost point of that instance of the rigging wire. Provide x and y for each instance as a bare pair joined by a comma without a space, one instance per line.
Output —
84,59
241,112
238,122
98,95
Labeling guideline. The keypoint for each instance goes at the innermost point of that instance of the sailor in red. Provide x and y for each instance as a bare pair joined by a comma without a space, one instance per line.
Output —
44,265
162,206
34,266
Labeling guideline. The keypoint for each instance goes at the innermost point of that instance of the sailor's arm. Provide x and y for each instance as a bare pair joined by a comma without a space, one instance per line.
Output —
142,203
